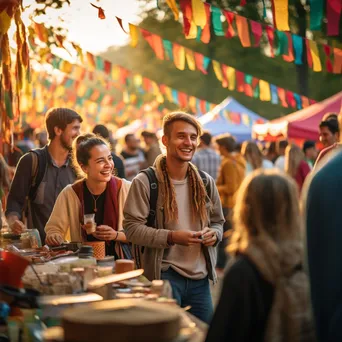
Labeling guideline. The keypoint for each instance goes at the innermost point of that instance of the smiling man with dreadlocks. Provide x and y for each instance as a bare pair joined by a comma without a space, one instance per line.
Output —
179,243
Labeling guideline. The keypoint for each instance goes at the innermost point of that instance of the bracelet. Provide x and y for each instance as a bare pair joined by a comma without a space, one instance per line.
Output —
170,238
117,234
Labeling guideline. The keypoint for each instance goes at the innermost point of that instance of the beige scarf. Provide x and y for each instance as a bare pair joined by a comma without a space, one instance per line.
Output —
290,318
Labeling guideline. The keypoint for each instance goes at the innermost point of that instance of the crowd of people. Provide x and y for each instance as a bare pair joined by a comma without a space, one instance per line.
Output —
177,213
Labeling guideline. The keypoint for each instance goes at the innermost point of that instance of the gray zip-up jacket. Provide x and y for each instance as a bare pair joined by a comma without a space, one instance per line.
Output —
154,240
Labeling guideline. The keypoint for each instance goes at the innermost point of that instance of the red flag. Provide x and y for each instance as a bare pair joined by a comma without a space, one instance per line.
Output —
203,106
257,31
282,97
289,57
240,81
107,67
270,36
182,99
230,19
199,59
120,23
328,51
186,9
291,99
101,13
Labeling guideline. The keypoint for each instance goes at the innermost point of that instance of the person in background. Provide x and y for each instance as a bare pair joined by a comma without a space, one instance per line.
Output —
310,152
230,176
265,293
133,156
103,131
180,247
323,217
329,131
331,141
27,143
255,160
97,193
53,165
206,158
295,165
152,150
42,138
270,151
281,147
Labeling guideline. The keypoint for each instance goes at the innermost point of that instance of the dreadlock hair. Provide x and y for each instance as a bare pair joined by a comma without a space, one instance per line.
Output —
198,193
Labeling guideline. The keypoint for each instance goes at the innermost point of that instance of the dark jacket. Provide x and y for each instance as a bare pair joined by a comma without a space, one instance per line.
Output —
244,305
324,240
119,166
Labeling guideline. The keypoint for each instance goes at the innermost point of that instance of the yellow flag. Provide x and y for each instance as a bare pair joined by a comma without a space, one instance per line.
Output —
190,59
133,31
5,22
265,91
198,12
179,56
160,98
231,78
115,73
281,13
172,4
66,67
137,80
218,70
168,93
317,66
193,31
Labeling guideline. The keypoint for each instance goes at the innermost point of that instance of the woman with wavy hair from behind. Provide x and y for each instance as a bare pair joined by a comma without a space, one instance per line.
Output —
254,158
295,164
265,294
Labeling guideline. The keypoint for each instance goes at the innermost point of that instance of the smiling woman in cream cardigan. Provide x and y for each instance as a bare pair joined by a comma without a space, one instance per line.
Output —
98,194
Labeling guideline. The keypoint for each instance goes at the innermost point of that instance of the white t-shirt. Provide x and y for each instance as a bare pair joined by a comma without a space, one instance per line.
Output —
280,163
266,164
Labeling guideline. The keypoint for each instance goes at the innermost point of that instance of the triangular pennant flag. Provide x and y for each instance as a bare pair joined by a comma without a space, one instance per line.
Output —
270,36
290,56
218,70
232,78
121,25
265,91
328,50
334,12
230,19
257,31
179,56
337,69
198,12
240,81
202,62
216,20
243,31
282,97
205,35
317,66
281,14
186,9
298,47
134,33
173,6
190,59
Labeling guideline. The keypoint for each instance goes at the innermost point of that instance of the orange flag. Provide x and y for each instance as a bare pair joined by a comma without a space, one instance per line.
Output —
337,68
243,31
173,6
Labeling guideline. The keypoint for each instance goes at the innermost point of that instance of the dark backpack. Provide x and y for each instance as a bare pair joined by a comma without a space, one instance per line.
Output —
151,219
39,164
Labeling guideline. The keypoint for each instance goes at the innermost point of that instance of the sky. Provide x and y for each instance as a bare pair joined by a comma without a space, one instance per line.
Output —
86,29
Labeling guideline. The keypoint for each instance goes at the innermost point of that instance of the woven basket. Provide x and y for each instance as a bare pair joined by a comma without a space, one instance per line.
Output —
99,248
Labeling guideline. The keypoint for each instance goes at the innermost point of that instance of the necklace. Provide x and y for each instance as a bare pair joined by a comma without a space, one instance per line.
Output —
95,200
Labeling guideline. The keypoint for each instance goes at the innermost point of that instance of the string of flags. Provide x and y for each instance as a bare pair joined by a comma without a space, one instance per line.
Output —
199,16
197,10
229,77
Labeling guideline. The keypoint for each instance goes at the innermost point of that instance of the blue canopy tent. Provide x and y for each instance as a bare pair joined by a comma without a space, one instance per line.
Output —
231,117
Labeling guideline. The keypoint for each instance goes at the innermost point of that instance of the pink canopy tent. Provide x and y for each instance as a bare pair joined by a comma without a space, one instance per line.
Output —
301,125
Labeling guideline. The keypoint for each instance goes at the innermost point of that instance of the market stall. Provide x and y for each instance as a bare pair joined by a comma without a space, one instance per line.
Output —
231,117
303,124
71,292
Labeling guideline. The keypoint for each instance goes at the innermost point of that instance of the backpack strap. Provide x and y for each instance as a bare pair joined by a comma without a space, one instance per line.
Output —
153,181
206,183
39,165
